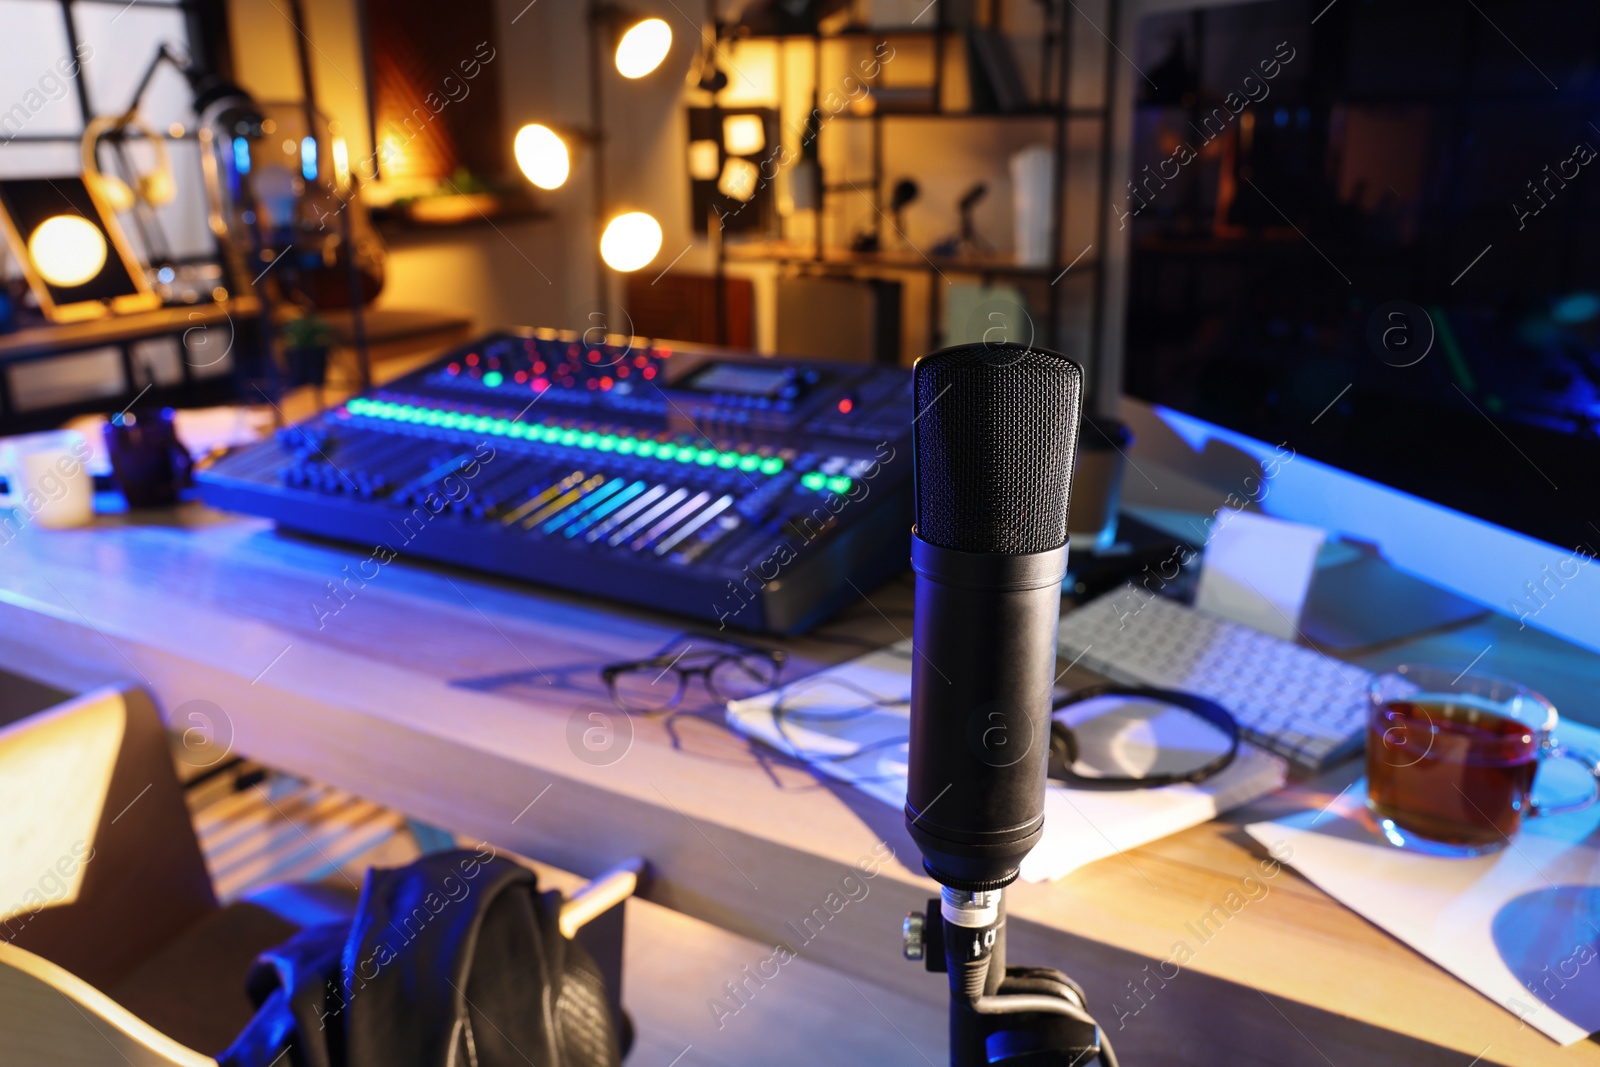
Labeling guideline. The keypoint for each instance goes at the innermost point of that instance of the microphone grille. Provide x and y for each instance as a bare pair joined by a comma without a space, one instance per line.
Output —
994,441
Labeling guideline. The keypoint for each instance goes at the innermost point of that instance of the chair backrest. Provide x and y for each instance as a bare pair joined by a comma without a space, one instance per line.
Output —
49,1018
99,865
21,696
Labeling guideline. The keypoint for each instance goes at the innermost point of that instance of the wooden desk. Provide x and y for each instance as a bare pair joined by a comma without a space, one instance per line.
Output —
463,701
202,382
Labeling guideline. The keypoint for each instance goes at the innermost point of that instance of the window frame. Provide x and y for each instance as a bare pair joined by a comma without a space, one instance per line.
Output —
205,38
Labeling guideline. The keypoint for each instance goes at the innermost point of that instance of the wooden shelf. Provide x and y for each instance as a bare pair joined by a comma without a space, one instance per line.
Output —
893,259
51,338
855,33
1032,113
447,214
1047,115
383,326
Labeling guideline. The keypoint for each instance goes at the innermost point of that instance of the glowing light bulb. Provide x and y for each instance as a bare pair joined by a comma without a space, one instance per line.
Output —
341,162
705,159
643,47
630,242
69,250
542,156
739,179
743,135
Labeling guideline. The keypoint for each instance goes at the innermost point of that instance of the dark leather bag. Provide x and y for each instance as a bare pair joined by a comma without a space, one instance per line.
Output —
454,961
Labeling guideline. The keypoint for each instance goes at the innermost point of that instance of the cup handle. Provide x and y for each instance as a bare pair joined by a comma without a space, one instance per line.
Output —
1590,762
182,466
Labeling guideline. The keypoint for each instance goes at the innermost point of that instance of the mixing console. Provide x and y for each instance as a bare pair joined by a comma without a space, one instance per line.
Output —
758,493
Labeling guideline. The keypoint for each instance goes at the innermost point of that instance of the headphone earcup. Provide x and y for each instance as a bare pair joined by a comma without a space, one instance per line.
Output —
157,188
113,190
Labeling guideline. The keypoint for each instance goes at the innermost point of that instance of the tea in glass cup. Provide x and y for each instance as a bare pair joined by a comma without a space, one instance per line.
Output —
1451,761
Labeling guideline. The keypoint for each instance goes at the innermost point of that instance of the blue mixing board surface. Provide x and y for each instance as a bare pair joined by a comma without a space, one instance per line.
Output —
757,493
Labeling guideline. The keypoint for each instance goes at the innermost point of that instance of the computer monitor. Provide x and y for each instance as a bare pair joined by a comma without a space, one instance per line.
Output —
1366,233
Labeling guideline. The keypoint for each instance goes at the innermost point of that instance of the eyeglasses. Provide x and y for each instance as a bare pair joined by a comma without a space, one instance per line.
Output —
821,706
659,682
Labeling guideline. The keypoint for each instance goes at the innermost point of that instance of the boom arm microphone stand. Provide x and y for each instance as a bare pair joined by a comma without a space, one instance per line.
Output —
993,460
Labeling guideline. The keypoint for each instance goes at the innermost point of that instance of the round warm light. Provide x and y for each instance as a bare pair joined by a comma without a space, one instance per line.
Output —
67,250
643,47
744,135
631,241
705,160
542,156
739,180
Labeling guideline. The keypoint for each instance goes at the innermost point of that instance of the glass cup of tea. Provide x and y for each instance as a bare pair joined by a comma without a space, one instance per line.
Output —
1451,759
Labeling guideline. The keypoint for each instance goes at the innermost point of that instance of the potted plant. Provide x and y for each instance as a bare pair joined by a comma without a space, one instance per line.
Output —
306,341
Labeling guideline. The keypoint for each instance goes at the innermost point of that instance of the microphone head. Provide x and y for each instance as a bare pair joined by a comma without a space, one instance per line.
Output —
993,447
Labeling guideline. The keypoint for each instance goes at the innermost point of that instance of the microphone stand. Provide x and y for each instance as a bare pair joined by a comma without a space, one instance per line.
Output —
1033,1016
990,552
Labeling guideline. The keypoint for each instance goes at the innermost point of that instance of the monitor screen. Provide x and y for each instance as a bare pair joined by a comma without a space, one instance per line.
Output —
1369,230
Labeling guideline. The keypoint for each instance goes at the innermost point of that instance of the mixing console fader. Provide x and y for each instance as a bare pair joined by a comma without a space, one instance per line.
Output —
752,492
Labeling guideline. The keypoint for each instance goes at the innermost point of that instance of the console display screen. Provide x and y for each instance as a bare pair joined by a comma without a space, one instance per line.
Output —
740,379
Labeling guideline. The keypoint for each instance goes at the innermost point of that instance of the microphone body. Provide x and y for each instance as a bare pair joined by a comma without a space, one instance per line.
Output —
995,440
985,633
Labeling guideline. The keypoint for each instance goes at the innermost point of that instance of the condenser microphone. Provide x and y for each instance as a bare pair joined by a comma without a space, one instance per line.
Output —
994,441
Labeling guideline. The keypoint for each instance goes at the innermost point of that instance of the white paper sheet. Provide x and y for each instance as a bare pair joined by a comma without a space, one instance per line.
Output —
864,706
1522,926
1257,571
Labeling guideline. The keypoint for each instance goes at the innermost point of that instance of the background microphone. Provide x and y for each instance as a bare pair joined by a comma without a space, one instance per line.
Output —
995,438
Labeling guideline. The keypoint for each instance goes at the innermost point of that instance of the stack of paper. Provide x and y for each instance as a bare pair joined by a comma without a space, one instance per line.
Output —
853,723
1521,926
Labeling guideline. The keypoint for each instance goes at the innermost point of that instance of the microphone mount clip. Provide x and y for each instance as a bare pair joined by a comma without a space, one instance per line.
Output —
1000,1014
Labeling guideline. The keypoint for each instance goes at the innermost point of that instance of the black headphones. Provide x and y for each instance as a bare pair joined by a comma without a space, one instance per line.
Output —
1064,746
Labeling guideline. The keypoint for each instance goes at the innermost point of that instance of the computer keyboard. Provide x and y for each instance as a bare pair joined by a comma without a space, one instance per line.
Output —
1291,700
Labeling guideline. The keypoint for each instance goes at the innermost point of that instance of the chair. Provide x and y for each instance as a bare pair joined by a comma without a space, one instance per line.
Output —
113,947
50,1016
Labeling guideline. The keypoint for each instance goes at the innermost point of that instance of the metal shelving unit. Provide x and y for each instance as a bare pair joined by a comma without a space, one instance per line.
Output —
1055,108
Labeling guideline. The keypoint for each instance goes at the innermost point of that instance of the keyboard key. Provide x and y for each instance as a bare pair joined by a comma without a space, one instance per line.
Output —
1289,699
